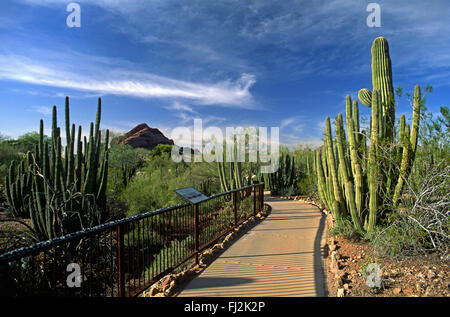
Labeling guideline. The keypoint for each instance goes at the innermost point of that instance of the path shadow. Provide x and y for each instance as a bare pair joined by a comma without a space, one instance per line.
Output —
262,255
285,229
319,254
206,282
290,218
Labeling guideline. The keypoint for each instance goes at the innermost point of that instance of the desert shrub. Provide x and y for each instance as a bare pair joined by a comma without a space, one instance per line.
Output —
344,227
160,149
171,251
122,157
125,154
8,153
422,225
153,187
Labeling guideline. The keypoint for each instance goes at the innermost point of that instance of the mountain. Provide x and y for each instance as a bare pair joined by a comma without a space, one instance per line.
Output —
142,136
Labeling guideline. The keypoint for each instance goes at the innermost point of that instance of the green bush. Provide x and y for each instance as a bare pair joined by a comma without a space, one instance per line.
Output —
344,227
153,186
122,157
125,154
8,153
398,239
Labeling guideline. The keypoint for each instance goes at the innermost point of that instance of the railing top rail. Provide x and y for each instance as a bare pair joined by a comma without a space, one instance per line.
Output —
43,245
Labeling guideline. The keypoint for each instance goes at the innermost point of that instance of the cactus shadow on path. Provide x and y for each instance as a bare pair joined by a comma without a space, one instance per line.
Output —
276,258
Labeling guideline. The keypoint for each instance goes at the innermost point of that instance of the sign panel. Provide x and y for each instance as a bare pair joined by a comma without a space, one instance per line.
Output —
191,194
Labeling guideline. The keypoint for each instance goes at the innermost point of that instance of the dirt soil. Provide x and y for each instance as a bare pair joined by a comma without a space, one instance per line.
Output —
13,235
421,276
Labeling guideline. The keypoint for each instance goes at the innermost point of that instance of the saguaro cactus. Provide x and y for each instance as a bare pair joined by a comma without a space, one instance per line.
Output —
370,177
382,81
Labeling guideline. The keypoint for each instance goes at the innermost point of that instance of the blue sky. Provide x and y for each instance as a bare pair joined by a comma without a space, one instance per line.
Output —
229,62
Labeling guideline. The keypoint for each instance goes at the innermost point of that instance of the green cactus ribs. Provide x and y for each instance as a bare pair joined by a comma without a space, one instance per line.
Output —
281,182
362,181
62,189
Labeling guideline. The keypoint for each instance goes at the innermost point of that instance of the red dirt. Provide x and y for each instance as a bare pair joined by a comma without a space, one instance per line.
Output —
413,277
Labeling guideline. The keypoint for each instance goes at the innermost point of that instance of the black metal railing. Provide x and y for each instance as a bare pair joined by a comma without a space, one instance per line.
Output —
122,258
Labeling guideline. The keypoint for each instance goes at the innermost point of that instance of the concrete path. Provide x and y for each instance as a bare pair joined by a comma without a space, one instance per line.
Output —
281,256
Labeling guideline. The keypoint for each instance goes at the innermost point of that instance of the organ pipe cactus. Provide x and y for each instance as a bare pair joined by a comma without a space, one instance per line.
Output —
346,180
338,201
373,168
127,173
358,181
355,156
283,179
66,190
18,185
409,145
230,173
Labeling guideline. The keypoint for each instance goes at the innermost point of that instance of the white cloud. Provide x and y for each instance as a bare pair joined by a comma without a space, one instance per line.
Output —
179,106
284,123
46,111
128,83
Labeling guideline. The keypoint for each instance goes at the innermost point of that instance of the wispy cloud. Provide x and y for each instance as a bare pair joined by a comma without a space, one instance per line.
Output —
295,124
46,111
128,83
284,123
177,106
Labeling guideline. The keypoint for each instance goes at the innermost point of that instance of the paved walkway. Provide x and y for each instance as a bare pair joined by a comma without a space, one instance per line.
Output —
281,256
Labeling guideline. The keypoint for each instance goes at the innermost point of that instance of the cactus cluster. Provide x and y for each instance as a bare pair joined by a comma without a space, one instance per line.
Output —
230,173
18,184
284,178
62,190
357,181
206,186
128,172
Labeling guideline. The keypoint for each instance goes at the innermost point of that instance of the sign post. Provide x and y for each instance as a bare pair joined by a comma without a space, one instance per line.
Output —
194,197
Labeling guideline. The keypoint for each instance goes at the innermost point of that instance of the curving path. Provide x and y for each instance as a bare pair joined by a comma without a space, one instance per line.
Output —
281,256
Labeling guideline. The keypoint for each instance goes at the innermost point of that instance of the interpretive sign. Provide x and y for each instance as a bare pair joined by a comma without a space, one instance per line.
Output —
191,194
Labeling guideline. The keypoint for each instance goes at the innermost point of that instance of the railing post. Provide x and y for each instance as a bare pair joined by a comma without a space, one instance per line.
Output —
196,232
261,195
235,208
254,200
120,257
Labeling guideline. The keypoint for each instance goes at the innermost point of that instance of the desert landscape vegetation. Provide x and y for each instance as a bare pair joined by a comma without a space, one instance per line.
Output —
105,200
